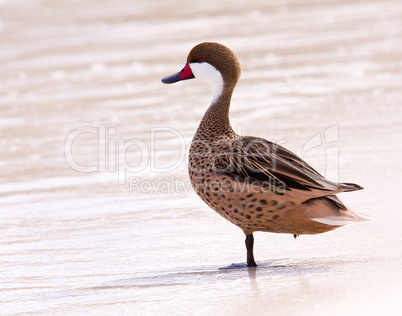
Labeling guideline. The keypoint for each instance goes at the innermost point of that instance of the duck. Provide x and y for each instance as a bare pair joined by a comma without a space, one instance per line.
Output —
256,184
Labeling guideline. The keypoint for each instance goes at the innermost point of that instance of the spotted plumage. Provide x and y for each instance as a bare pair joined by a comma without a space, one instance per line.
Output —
253,183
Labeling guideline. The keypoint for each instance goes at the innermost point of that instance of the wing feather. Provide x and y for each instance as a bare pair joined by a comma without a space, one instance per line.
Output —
256,159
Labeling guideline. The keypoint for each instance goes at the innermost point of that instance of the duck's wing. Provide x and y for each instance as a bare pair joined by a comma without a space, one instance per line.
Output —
253,159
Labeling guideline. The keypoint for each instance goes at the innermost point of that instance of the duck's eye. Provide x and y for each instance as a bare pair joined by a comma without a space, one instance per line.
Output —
200,59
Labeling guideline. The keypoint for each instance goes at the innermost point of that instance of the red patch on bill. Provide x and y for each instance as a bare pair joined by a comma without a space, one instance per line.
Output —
186,72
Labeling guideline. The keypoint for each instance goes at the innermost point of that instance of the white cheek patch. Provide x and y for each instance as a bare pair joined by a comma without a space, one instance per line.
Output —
209,73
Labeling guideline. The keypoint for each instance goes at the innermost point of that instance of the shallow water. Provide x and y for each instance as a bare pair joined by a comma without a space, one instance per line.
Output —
97,216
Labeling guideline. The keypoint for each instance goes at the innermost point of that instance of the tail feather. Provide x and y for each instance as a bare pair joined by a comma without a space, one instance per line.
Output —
342,219
331,211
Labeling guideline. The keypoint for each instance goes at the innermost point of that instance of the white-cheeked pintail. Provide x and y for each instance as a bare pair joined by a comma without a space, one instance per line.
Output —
254,183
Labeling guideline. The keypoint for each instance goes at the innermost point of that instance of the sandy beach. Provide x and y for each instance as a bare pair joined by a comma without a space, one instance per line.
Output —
96,209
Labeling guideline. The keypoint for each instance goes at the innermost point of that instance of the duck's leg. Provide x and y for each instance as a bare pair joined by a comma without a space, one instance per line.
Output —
250,254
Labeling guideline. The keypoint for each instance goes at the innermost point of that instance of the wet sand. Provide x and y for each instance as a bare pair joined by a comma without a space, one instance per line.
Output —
96,211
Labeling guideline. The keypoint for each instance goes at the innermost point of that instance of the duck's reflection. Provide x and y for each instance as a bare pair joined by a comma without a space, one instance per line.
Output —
252,274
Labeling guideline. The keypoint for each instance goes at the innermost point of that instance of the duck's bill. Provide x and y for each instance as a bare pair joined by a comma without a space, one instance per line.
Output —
183,74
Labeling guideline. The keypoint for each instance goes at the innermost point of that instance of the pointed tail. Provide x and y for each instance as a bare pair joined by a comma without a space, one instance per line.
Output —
330,210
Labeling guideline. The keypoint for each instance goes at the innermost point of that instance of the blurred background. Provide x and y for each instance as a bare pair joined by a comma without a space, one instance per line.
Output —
96,210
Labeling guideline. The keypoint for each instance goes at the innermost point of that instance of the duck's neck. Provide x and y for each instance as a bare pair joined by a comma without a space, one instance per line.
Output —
215,122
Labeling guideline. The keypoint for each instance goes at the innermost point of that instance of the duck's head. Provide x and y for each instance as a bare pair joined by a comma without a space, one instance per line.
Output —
212,62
